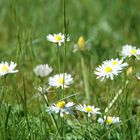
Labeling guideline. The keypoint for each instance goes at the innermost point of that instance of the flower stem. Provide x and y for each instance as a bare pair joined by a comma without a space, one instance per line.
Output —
85,77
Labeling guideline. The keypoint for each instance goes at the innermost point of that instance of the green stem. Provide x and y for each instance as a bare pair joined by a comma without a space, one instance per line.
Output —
85,77
58,58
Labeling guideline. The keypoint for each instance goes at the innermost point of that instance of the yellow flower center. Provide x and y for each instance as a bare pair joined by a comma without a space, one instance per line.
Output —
4,68
114,62
133,51
109,120
81,42
61,104
58,38
108,69
88,109
60,80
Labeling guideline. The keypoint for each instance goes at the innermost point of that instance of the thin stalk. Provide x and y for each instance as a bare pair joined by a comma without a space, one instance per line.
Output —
87,125
58,58
85,77
7,117
25,107
4,90
66,25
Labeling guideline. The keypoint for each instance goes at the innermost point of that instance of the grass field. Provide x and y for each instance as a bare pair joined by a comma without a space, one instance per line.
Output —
98,29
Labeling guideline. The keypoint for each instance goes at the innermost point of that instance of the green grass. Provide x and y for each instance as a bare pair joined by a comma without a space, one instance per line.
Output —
107,25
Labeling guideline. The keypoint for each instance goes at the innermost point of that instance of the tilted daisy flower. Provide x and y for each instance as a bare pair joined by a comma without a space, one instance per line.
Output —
106,71
108,120
90,110
109,69
62,108
42,70
62,80
128,51
57,38
6,68
116,63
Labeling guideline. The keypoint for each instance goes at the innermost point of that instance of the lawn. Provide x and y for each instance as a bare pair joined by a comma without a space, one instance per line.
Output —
69,69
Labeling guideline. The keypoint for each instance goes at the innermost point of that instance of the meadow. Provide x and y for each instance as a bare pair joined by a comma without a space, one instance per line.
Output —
69,69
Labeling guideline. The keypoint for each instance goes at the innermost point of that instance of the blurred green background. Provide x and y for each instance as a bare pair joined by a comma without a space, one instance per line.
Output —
107,23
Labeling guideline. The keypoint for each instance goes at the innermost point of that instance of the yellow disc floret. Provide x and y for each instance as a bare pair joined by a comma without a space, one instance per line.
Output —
88,109
61,104
109,120
114,62
60,80
4,68
108,69
58,38
133,51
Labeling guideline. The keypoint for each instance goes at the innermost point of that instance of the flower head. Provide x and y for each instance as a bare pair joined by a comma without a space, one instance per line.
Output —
128,51
61,80
42,70
110,68
108,120
81,44
62,108
57,38
88,109
6,68
116,63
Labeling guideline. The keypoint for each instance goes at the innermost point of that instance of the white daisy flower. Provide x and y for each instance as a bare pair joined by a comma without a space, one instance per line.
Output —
110,68
6,68
57,38
107,71
88,109
61,80
116,63
128,51
42,70
109,120
62,108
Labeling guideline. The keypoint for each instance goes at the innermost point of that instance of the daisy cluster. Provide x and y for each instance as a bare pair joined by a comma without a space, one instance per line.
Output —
107,70
63,108
110,68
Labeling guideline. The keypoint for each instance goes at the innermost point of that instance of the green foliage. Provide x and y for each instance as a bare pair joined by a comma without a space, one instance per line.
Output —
107,25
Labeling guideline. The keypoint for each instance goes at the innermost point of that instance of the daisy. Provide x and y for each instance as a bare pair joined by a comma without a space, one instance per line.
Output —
61,80
110,68
88,109
107,71
62,108
109,120
116,63
6,68
57,38
128,51
42,70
